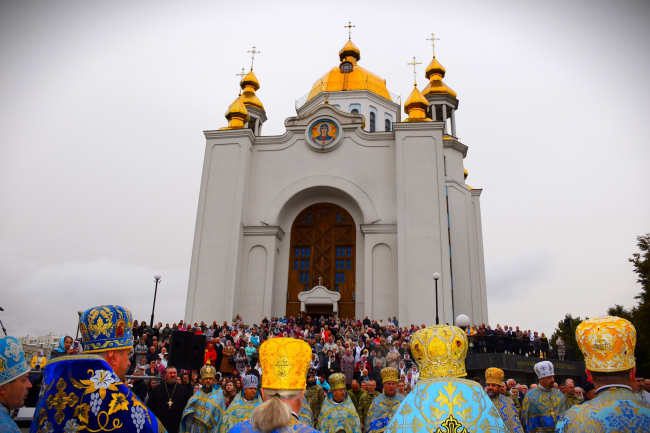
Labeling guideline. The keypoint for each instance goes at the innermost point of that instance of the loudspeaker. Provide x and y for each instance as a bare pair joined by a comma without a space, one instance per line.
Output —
198,352
181,348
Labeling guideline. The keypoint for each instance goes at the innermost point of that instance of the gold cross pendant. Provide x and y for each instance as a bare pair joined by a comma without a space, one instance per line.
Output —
170,403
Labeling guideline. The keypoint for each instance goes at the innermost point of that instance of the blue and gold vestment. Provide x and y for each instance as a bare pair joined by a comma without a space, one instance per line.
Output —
338,416
82,393
542,409
207,409
239,410
506,408
7,425
306,415
446,404
381,411
614,409
294,426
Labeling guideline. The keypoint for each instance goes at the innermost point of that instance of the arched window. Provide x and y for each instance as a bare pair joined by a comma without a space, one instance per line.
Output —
388,122
354,111
372,122
387,125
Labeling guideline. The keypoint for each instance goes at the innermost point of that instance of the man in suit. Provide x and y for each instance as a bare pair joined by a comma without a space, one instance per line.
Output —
218,347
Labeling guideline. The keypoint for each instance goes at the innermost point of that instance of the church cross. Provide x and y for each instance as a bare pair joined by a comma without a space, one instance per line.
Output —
414,63
320,280
433,43
349,27
242,75
253,57
60,400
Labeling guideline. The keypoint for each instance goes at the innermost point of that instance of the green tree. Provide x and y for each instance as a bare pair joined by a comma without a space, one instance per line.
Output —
622,312
641,313
569,338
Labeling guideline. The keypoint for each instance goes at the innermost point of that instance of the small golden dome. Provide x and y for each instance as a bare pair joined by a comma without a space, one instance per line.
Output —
237,115
465,173
249,85
350,50
435,73
357,78
416,107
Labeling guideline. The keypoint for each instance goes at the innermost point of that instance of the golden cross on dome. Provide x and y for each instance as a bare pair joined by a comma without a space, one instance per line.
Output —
253,57
433,43
414,63
242,75
349,27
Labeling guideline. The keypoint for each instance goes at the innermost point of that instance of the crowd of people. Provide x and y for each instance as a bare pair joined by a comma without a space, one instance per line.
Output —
306,376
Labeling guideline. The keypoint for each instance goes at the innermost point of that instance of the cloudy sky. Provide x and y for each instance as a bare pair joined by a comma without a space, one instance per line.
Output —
103,104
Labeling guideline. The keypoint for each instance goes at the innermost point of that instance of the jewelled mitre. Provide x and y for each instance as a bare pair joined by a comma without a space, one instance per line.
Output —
544,369
107,327
336,381
389,374
208,371
284,363
440,351
608,344
12,360
494,375
250,381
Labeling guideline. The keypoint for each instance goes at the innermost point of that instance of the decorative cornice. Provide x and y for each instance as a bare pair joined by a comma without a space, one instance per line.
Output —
476,192
264,231
379,228
456,145
306,118
230,133
462,185
374,136
437,99
405,126
345,95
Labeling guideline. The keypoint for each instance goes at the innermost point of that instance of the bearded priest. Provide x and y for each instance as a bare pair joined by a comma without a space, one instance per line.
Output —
494,379
384,407
243,405
338,412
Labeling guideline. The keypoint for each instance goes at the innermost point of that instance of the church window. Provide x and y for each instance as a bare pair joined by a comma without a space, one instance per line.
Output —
339,277
355,111
336,288
301,252
338,217
304,277
372,122
388,122
387,125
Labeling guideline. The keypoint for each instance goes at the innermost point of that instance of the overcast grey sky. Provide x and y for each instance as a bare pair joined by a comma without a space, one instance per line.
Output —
103,104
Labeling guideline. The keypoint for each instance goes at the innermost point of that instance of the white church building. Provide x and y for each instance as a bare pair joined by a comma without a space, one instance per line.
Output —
348,213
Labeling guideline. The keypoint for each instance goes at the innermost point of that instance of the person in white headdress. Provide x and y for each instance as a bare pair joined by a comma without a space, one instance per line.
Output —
543,406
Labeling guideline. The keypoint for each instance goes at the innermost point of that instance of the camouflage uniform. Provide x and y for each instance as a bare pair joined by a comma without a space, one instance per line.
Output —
573,400
515,400
355,400
364,404
315,396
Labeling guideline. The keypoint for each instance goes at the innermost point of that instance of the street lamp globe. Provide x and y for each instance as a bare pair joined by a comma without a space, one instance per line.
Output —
568,316
436,276
157,277
462,321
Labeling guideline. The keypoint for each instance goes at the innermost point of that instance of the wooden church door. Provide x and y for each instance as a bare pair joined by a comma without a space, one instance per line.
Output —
323,245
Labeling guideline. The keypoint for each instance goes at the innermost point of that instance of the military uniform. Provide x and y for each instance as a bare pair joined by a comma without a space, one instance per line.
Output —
364,405
515,400
356,398
315,395
573,400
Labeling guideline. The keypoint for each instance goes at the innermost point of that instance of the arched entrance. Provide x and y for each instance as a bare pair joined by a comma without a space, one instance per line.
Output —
323,250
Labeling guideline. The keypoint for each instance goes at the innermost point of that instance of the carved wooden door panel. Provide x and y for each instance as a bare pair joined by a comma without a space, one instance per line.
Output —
323,247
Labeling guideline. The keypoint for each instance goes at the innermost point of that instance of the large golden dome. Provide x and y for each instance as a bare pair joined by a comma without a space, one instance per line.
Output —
357,78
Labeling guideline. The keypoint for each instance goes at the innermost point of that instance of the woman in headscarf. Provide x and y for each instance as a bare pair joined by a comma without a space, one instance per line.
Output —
210,354
64,348
347,366
143,363
228,351
393,358
39,360
241,359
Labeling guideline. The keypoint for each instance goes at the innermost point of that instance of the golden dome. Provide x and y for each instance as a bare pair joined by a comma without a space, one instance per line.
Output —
416,107
249,85
356,79
465,173
435,73
237,115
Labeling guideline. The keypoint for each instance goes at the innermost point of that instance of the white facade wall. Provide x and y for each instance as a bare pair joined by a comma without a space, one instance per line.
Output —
394,186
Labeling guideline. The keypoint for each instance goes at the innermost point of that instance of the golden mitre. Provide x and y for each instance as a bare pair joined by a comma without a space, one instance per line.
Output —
607,343
440,351
389,374
208,371
336,381
284,363
494,375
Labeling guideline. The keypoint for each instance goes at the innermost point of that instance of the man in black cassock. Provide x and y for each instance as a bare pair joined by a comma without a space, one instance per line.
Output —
168,400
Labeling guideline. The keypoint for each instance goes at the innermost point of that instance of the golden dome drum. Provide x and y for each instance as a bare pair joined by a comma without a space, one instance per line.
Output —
440,351
357,78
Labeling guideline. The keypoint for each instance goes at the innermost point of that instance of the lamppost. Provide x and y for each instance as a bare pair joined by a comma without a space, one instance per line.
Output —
436,277
157,278
462,321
